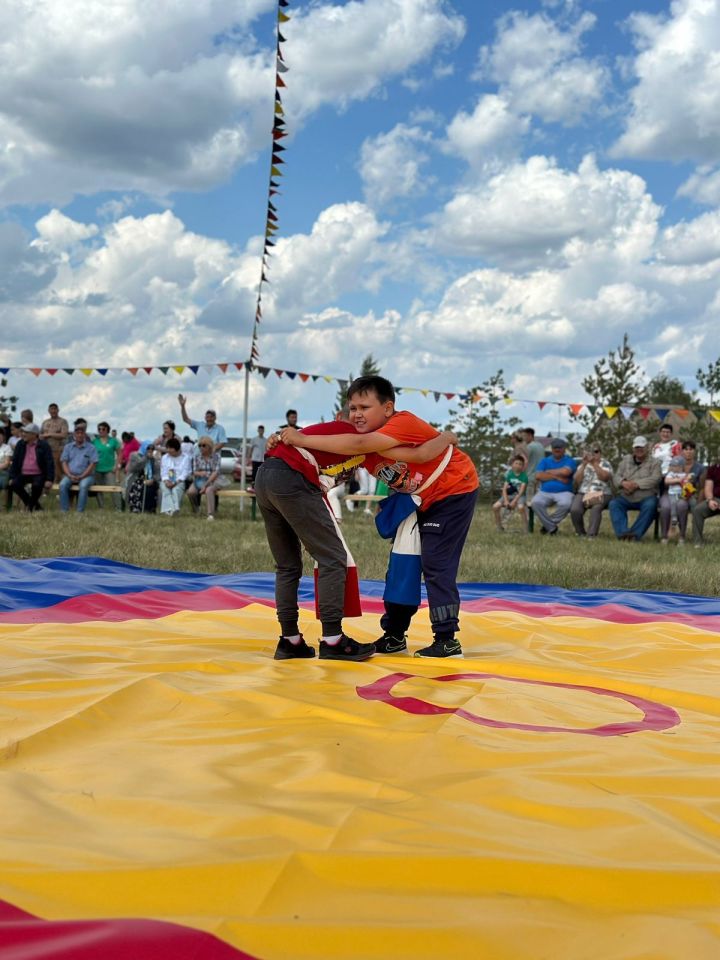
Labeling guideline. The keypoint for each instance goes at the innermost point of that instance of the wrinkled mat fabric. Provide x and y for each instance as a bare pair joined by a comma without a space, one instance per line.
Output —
169,790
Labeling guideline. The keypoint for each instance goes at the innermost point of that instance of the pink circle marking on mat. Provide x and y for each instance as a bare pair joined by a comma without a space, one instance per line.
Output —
655,716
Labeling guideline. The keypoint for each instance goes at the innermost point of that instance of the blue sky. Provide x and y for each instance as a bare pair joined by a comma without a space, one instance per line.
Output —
468,186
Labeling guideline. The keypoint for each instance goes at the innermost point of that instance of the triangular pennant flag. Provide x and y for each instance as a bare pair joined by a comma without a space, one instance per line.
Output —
315,377
592,408
627,412
715,414
644,412
86,370
436,395
254,353
280,373
4,370
278,134
343,384
51,370
661,413
179,369
281,38
279,81
102,370
69,370
272,216
239,365
576,408
163,370
304,377
683,414
223,367
610,412
194,368
274,172
541,404
449,396
133,370
36,370
283,17
275,160
208,367
284,3
698,413
424,392
148,370
509,401
290,373
399,390
279,148
263,371
279,110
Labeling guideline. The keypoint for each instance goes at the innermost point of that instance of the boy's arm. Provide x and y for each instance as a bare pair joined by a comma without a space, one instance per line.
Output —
347,443
430,450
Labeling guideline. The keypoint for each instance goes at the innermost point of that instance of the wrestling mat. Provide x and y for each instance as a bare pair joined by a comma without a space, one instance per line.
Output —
168,790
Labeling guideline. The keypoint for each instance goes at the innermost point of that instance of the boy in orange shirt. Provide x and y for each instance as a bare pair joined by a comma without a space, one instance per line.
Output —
446,510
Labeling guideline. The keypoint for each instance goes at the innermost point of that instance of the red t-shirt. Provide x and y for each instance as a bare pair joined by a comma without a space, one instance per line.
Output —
459,476
339,466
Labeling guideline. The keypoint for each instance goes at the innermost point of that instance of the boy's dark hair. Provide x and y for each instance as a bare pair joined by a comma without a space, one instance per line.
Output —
530,430
381,387
667,426
172,443
518,460
288,412
80,422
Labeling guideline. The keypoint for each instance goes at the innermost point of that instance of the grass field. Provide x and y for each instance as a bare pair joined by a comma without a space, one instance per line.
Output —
234,543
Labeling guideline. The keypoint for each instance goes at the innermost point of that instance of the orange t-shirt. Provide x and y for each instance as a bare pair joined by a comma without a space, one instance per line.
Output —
459,476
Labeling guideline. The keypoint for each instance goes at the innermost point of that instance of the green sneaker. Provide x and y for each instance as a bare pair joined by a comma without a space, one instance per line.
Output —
441,648
390,644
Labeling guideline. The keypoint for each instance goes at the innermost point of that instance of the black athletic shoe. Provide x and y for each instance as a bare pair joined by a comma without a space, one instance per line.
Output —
293,651
441,648
346,649
390,644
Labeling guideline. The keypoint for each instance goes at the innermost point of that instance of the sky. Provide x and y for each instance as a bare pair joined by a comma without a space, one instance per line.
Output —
468,187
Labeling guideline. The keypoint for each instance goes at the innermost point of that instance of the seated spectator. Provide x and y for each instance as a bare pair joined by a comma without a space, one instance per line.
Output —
78,461
175,469
32,464
555,474
513,493
637,480
593,485
666,448
205,476
6,454
15,433
709,507
130,444
143,480
680,486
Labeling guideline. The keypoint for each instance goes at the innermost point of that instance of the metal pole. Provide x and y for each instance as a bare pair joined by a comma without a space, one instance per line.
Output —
243,480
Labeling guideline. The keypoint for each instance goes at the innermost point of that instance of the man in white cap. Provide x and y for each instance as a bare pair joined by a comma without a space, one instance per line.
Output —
637,481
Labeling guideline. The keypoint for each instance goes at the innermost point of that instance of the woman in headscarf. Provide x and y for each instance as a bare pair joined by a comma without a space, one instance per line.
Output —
143,476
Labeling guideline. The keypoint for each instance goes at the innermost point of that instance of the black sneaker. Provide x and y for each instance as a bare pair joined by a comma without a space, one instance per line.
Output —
390,644
346,649
286,650
441,648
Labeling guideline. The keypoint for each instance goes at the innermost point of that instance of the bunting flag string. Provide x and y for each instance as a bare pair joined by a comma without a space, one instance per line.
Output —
272,223
473,396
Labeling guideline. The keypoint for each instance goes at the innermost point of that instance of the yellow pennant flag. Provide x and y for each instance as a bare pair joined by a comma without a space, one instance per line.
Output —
179,369
715,414
86,370
610,412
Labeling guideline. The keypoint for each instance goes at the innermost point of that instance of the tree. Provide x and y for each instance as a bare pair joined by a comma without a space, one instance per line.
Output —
483,430
616,381
368,368
8,405
669,392
706,430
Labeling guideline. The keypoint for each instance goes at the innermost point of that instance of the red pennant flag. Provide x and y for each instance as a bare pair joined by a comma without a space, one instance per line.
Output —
36,370
280,373
223,367
148,370
279,82
541,403
576,407
239,366
51,370
449,396
304,377
133,370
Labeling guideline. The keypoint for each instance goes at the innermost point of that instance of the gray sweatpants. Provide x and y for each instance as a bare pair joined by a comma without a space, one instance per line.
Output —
295,514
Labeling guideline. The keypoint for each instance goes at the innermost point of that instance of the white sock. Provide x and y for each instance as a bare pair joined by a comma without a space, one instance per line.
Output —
296,639
331,641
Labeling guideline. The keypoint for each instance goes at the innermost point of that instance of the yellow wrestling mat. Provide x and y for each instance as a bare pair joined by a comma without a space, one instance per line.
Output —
554,794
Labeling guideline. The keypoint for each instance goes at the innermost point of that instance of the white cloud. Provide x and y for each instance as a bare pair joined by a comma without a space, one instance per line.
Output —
539,69
491,132
391,164
536,213
675,106
345,53
696,242
703,186
58,232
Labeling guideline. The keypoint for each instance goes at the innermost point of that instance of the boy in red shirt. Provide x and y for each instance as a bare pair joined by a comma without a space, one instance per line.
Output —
445,515
290,491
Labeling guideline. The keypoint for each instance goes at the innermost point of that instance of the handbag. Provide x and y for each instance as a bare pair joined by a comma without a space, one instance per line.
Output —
593,497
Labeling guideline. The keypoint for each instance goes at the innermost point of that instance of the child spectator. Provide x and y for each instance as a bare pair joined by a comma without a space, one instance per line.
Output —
513,493
445,513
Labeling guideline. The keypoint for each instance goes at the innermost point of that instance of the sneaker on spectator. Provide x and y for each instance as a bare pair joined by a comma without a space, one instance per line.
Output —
346,649
387,643
286,650
441,648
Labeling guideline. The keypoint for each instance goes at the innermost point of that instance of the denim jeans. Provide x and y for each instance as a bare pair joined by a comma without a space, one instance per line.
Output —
83,485
619,515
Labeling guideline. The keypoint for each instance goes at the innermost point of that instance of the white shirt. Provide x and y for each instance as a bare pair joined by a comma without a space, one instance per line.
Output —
181,466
